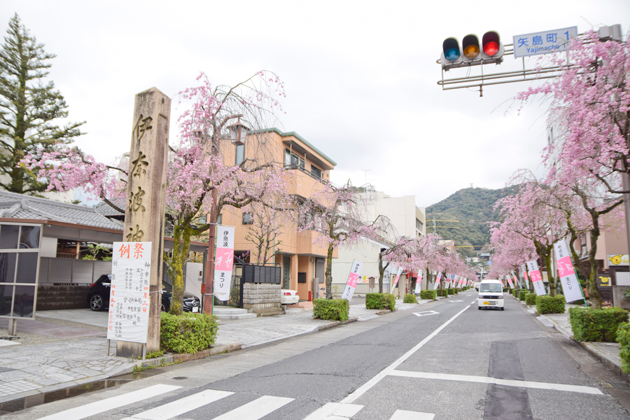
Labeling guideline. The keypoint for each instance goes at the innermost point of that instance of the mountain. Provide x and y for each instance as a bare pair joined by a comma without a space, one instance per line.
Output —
470,209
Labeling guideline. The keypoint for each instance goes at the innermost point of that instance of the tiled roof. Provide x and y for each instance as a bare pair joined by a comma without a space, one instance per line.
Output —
107,210
21,206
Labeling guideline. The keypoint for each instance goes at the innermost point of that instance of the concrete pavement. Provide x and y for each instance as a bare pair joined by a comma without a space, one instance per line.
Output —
67,348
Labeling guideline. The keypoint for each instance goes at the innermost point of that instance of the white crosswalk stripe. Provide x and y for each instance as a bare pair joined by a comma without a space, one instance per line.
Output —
181,406
334,411
411,415
256,409
107,404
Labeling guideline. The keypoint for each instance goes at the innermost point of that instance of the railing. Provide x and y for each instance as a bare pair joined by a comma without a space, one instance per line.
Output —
66,255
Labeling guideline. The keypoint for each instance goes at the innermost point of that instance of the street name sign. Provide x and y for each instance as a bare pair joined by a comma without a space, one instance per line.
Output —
545,42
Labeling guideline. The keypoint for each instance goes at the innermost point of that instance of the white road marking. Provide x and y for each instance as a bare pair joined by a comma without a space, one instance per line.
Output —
473,302
181,406
107,404
506,382
455,301
411,415
256,409
426,313
332,411
369,384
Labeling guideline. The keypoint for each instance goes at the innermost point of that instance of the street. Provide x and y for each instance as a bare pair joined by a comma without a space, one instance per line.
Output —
445,360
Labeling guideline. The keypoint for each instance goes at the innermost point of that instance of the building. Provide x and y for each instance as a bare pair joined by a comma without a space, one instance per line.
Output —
301,255
408,220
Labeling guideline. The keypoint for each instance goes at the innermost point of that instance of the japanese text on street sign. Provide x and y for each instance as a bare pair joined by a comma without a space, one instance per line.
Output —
570,283
534,274
543,42
223,262
129,300
355,272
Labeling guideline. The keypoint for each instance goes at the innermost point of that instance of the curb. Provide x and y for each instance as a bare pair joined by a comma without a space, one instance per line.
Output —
172,358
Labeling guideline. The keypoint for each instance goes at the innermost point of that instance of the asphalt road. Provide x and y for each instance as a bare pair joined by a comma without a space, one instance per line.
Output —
445,360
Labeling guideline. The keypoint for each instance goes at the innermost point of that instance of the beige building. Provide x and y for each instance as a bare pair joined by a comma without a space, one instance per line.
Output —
301,255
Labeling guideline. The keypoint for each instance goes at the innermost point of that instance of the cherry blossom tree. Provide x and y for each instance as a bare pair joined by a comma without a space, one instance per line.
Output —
204,172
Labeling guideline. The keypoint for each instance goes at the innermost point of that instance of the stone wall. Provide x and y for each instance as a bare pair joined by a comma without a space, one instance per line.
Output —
262,299
62,297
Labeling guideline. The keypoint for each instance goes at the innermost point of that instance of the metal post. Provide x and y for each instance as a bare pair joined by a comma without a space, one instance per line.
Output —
144,351
108,347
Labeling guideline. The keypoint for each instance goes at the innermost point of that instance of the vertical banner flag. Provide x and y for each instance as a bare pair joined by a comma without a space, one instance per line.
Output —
516,282
510,282
570,284
419,282
223,262
129,296
437,280
400,270
524,270
534,273
355,272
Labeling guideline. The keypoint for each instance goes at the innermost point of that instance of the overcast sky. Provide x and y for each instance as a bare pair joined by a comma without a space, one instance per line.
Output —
360,76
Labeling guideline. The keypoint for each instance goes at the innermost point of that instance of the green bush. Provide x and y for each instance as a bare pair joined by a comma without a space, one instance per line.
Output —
530,299
550,305
380,301
522,294
428,294
410,299
623,338
331,309
515,293
451,291
187,333
590,324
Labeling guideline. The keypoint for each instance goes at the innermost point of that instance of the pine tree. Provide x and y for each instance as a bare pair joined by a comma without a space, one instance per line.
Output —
28,107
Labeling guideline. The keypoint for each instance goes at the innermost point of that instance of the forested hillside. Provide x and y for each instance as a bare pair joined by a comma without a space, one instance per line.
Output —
472,208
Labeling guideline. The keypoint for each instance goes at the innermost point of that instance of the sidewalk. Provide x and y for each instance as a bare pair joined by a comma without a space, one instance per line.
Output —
66,348
606,353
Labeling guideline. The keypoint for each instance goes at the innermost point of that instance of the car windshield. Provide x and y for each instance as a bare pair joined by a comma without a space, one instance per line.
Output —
490,287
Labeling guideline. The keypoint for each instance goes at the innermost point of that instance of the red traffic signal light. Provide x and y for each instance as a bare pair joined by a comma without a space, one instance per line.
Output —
472,53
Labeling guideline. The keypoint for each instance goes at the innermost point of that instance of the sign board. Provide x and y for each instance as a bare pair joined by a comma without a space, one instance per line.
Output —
570,284
223,262
371,279
353,277
534,274
129,297
546,42
618,259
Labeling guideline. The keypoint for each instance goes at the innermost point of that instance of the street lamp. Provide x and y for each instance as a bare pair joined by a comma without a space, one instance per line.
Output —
238,131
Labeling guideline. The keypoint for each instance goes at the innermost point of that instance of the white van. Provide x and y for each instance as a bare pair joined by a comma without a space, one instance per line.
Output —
491,294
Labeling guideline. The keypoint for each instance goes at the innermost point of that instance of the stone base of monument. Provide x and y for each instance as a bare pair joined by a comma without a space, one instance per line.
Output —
262,299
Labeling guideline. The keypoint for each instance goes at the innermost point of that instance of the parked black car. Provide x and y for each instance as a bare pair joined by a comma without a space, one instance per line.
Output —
98,296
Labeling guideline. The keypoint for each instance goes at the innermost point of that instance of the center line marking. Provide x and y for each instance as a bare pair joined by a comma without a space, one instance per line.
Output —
369,384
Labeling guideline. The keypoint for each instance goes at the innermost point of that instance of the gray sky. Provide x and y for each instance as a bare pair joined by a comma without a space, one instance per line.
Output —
360,76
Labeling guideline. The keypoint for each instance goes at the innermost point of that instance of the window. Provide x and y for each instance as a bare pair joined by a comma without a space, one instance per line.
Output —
248,219
220,219
240,154
291,160
316,172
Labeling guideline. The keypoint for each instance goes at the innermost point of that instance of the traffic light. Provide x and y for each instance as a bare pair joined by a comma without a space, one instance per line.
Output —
472,53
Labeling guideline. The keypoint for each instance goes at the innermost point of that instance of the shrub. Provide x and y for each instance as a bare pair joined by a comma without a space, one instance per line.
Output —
380,301
522,294
550,305
187,333
428,294
410,299
451,291
515,293
331,309
590,324
623,337
530,299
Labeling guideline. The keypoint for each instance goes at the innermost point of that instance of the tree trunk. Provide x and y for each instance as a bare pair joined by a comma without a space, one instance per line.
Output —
328,273
593,292
381,272
550,277
175,265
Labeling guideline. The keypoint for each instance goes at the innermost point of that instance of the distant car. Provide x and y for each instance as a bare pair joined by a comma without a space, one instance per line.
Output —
289,297
98,297
491,295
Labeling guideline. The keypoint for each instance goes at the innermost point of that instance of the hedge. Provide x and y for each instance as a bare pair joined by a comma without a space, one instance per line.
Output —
623,337
590,324
380,301
451,291
187,333
530,299
522,294
410,299
428,294
550,305
515,293
331,309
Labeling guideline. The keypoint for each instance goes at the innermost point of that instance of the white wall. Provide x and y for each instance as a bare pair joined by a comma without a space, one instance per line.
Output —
193,279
